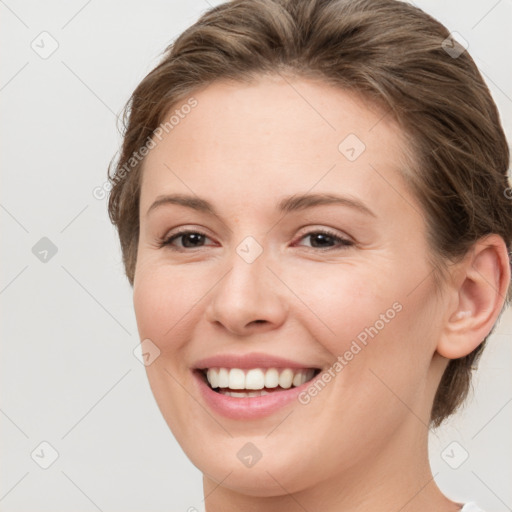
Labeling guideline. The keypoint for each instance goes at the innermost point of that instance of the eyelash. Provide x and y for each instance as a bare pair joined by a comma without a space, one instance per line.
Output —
167,242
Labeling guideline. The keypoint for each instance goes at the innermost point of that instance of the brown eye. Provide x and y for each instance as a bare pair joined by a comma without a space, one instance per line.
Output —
189,240
324,239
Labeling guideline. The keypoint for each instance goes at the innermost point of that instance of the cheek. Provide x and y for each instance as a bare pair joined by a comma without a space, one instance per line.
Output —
346,302
164,299
379,322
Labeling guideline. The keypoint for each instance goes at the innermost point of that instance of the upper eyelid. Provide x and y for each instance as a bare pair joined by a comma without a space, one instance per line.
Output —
185,231
307,232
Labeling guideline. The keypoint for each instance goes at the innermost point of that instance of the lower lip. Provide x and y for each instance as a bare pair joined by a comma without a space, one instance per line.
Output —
244,408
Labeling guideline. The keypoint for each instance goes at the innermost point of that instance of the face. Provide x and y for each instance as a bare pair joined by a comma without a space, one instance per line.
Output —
261,279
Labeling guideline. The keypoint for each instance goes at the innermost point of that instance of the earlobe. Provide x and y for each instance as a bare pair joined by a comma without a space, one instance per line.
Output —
480,288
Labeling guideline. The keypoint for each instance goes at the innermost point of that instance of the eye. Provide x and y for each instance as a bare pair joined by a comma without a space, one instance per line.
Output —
322,239
190,240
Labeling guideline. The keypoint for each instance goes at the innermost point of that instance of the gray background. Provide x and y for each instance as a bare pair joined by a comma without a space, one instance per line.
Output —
68,373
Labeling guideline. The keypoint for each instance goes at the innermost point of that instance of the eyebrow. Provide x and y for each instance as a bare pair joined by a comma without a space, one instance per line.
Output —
288,204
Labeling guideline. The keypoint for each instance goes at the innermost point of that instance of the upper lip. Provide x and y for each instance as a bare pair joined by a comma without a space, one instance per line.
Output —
252,360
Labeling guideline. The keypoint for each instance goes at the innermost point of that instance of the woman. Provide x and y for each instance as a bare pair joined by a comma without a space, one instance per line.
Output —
311,203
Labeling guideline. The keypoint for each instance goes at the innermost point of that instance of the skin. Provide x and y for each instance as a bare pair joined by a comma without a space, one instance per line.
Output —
361,443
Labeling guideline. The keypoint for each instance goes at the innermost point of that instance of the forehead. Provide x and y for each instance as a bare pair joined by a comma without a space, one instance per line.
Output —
273,136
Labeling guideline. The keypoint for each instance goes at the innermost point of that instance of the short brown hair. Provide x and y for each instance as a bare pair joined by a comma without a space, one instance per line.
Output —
394,55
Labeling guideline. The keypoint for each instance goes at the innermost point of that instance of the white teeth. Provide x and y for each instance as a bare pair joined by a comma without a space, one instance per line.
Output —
240,394
286,378
271,378
223,378
213,378
297,379
236,378
256,379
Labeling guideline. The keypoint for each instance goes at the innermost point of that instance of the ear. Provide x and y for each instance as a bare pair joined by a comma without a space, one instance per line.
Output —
478,292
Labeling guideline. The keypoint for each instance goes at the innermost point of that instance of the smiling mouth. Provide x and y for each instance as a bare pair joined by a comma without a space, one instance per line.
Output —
237,382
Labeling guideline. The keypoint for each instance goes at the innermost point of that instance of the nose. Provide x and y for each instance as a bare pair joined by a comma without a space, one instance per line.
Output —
248,298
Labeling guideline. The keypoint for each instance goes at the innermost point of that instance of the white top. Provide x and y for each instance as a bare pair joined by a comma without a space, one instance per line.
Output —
471,507
468,507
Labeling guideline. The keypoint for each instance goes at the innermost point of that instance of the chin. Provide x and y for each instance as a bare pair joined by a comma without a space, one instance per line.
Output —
265,479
